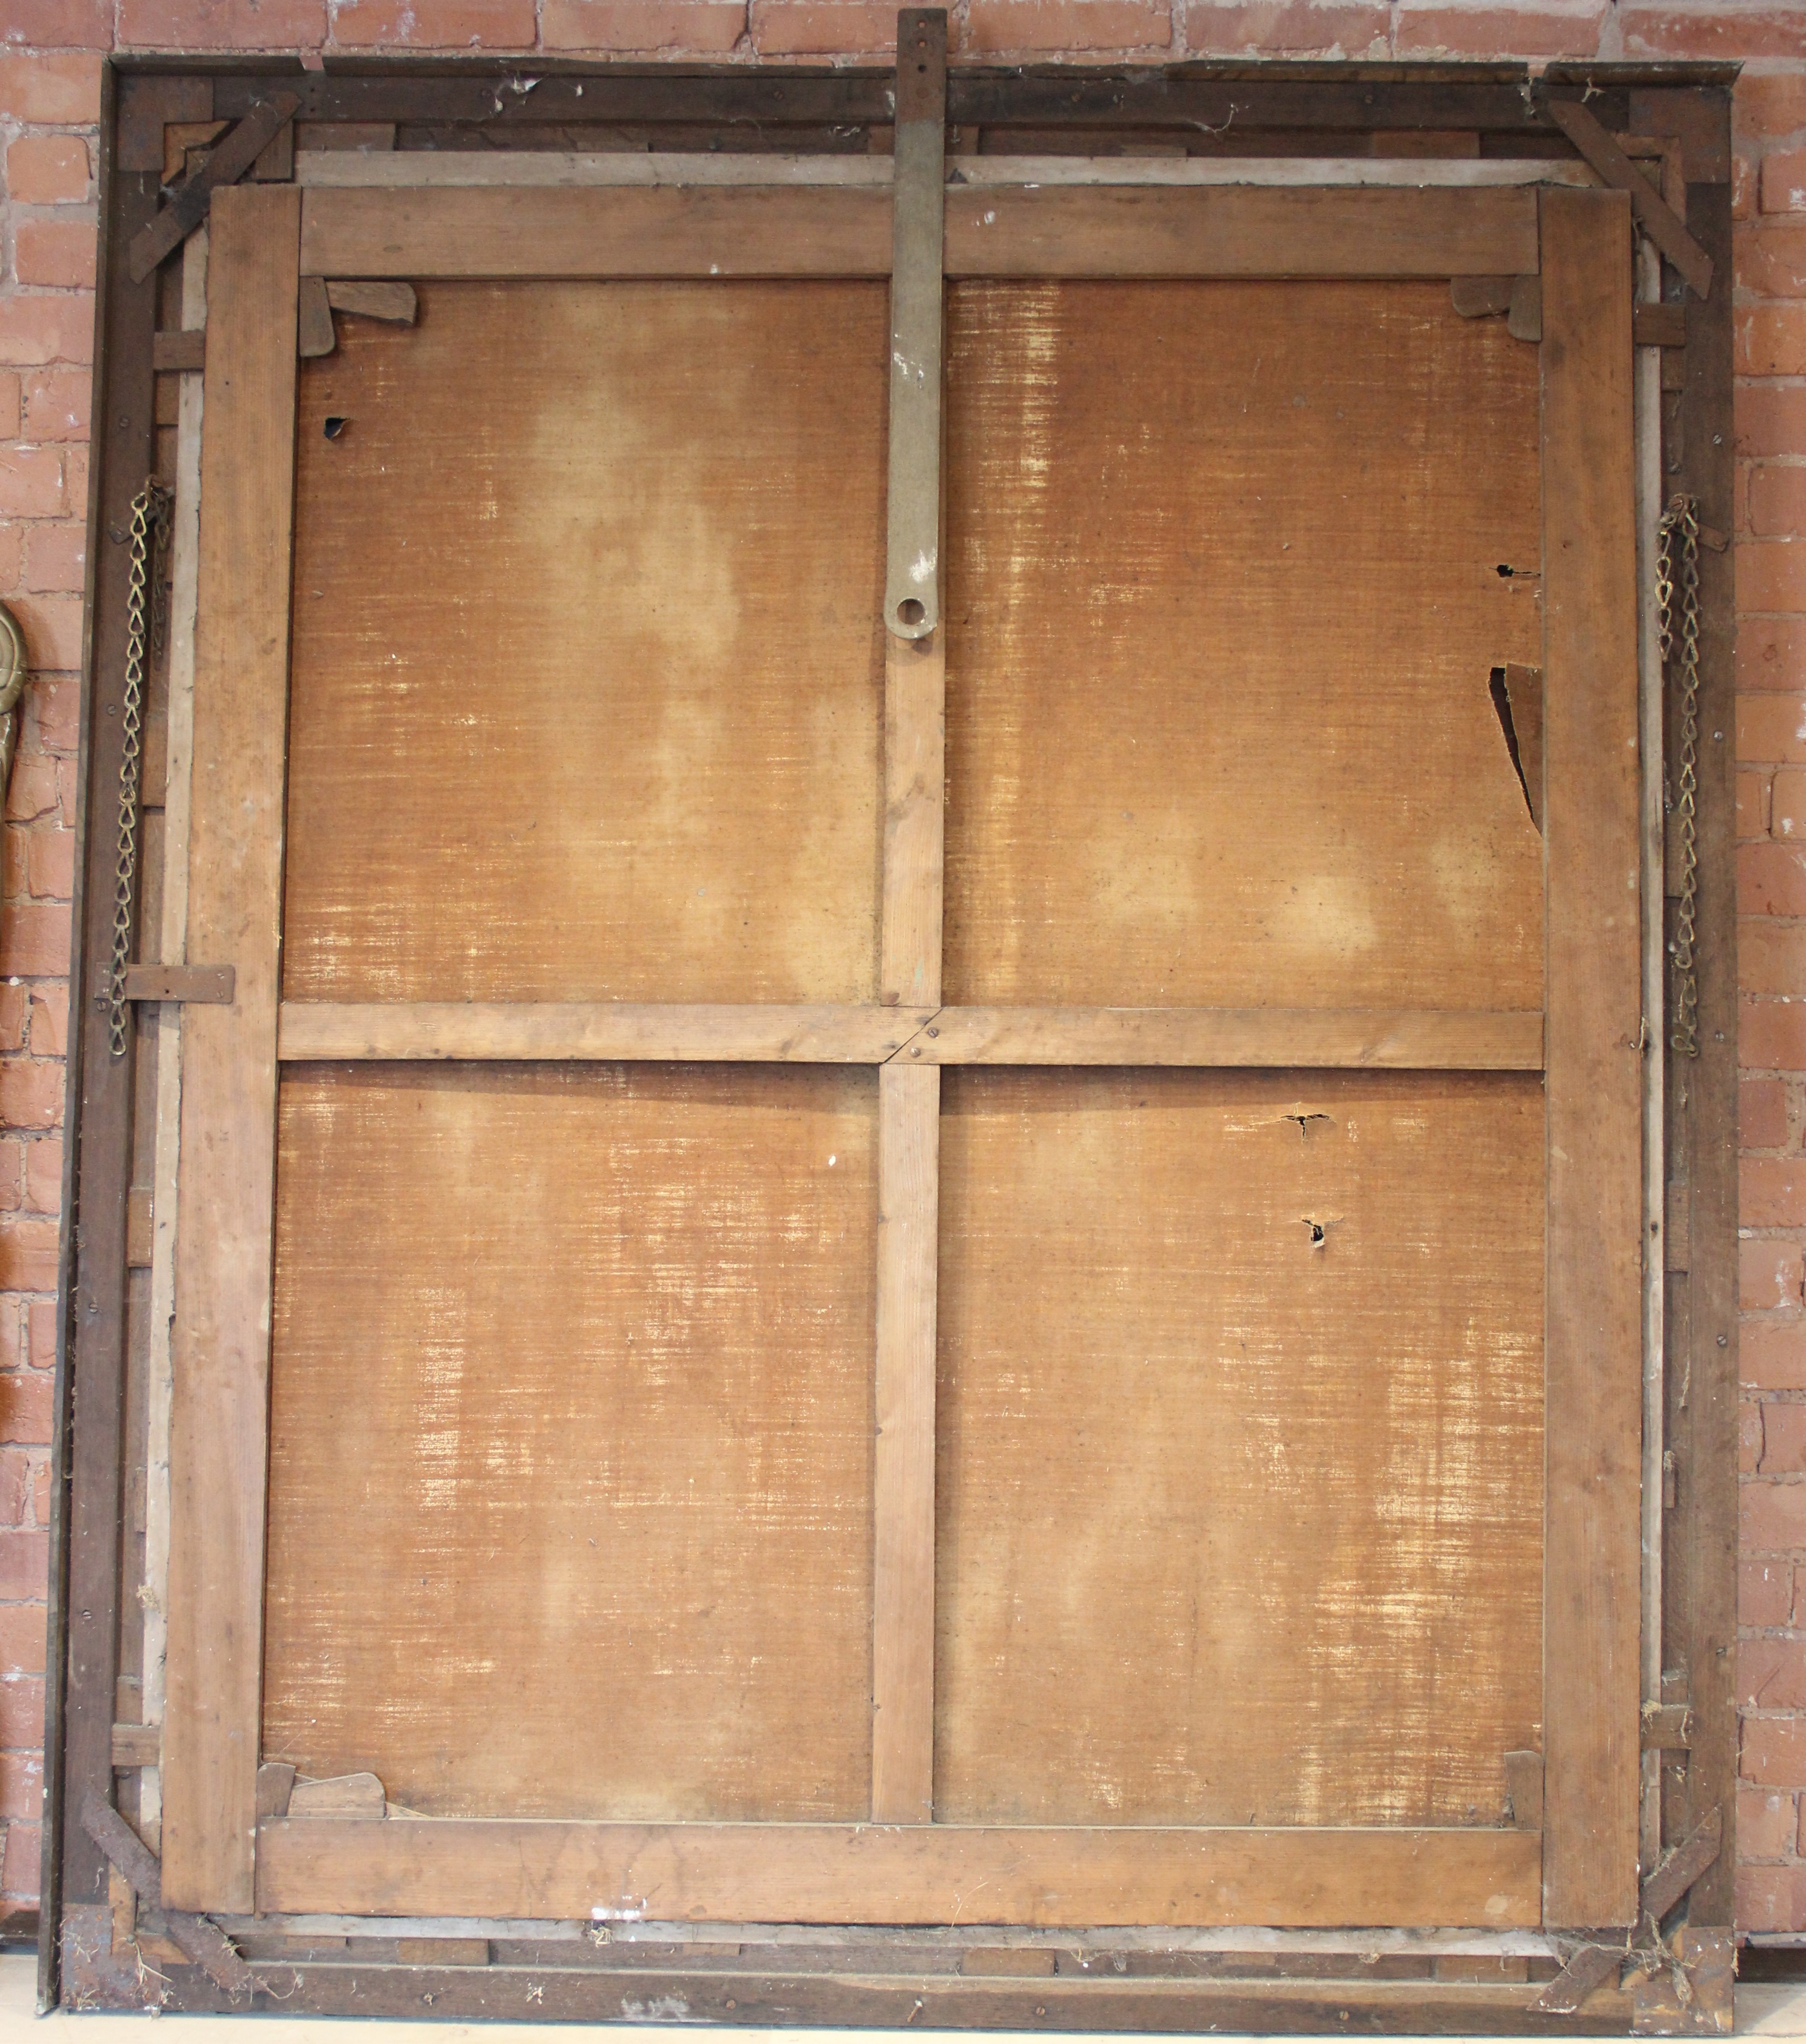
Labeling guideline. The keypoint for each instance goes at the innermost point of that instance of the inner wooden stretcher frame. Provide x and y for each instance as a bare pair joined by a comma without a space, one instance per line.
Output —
1581,1867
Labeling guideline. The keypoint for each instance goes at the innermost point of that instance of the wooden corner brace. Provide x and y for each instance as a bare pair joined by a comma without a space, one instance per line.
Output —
198,1937
1656,217
1588,1967
229,162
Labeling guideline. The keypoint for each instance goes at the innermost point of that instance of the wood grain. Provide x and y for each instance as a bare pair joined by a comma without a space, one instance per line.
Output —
1240,231
601,1337
218,1435
1418,1039
1241,1446
766,1033
663,231
587,671
1225,602
913,1873
903,1495
502,231
1594,1075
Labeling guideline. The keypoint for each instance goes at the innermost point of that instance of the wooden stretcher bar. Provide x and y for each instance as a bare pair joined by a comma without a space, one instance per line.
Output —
1420,1039
1233,231
1296,1877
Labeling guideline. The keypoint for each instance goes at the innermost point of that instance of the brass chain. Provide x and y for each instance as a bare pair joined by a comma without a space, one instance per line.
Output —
150,541
1680,644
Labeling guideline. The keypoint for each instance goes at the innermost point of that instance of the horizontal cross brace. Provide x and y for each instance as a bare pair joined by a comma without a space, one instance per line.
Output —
774,1033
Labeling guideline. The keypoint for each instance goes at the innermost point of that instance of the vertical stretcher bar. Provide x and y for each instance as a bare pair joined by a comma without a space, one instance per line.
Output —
903,1478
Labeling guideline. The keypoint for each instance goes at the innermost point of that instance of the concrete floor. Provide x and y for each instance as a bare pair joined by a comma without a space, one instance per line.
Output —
1761,2011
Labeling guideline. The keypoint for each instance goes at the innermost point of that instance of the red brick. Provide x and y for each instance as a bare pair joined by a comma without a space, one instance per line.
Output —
1770,419
1771,727
1777,500
1286,27
1783,1448
821,28
56,252
223,25
1754,789
40,1320
1769,1274
38,327
1762,1114
1771,957
21,1638
1771,1037
56,558
53,626
28,1263
1066,25
33,791
30,1091
62,88
707,27
51,867
1765,1597
12,405
57,405
13,1003
1771,340
1771,1674
19,1877
51,707
1768,1823
44,1175
41,1496
1771,881
1751,1431
1711,31
49,1022
47,170
1743,175
1498,32
446,24
60,25
75,479
1771,1898
24,1558
12,555
1786,808
21,1706
1769,104
1771,1191
25,1400
1771,255
21,1786
68,780
17,1477
1771,654
31,482
1774,1752
1783,181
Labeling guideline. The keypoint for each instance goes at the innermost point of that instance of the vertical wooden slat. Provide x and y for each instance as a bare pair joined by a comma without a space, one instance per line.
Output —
1592,1567
219,1413
903,1478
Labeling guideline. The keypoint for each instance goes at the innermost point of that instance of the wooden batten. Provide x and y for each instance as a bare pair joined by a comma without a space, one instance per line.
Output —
219,1432
1592,1683
911,1874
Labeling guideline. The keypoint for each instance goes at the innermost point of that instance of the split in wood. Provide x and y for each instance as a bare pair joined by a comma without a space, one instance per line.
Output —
199,1938
1517,701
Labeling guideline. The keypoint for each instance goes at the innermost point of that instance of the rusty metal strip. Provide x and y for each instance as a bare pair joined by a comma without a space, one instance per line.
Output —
212,985
228,163
199,1937
1657,217
912,589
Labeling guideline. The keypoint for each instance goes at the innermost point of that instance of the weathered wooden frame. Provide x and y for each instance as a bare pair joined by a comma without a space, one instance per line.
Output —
1155,227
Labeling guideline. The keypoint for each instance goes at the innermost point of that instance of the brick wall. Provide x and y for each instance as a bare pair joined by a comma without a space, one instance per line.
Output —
49,96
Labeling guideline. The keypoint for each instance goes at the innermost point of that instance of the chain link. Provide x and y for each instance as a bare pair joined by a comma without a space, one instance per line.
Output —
143,628
1677,599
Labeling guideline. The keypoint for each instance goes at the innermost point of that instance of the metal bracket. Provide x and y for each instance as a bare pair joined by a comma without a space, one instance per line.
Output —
212,985
911,587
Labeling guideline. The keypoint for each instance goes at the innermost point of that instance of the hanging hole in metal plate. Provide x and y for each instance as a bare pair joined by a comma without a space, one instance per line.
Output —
911,611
